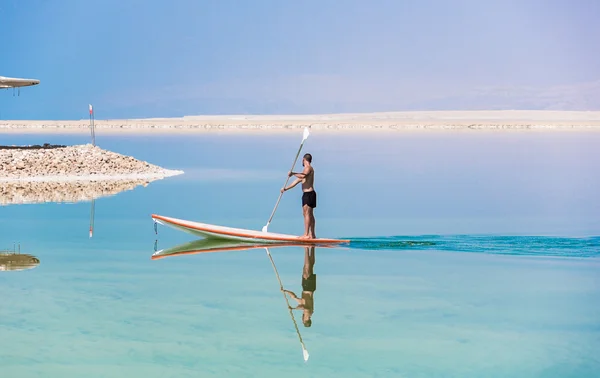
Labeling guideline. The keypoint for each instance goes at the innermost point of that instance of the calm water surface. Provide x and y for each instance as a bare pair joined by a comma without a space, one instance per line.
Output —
472,255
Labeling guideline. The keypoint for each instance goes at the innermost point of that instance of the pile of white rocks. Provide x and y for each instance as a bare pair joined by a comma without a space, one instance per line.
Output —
74,163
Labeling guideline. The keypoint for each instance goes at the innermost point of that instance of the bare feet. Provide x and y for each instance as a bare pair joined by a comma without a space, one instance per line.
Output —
304,237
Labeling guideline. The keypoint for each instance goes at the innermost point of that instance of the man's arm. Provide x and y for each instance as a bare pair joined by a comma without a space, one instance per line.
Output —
292,185
300,175
292,295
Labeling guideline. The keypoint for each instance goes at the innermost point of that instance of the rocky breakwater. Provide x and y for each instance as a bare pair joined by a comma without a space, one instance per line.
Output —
75,163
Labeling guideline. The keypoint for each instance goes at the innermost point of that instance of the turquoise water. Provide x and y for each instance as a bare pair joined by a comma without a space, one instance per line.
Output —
471,255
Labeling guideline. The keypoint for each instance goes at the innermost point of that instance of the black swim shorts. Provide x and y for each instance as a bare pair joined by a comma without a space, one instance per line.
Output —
310,283
310,199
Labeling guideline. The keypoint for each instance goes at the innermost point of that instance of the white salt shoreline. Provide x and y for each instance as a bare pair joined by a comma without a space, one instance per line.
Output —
351,122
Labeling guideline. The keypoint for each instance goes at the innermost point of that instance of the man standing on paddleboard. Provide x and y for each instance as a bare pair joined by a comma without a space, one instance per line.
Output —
309,196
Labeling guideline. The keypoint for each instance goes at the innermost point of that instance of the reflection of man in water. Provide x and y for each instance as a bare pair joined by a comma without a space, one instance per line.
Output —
309,285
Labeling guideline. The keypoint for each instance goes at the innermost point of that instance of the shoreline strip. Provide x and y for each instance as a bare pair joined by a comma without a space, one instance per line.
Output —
380,122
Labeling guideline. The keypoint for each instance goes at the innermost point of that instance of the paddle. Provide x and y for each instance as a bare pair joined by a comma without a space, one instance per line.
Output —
304,351
304,136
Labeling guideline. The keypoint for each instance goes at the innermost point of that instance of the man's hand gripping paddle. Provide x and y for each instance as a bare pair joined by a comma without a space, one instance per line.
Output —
304,137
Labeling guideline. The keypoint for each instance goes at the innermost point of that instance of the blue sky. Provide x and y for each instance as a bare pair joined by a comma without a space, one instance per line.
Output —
134,58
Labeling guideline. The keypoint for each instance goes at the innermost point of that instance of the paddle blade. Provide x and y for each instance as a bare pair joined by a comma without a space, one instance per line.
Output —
305,135
264,229
305,353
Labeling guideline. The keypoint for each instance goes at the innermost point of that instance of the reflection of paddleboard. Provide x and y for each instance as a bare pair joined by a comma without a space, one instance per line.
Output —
218,245
239,234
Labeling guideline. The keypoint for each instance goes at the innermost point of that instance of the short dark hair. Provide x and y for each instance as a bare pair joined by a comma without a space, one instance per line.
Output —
308,157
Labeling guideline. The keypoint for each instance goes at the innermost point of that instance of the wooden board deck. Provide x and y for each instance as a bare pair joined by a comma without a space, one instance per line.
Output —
239,234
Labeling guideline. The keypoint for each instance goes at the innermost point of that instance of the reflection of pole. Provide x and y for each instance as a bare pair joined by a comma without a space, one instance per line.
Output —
304,351
93,132
92,213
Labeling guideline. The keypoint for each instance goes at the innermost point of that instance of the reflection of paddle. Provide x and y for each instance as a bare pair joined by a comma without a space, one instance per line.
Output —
304,351
92,213
304,136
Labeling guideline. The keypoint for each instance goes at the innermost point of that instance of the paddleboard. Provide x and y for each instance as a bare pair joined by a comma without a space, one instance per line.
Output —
210,245
239,234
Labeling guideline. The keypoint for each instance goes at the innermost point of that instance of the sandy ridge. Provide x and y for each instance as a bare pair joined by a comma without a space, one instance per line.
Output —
390,121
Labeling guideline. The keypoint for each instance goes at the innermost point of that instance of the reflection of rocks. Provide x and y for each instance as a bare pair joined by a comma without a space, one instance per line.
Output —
21,192
83,162
32,147
17,261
